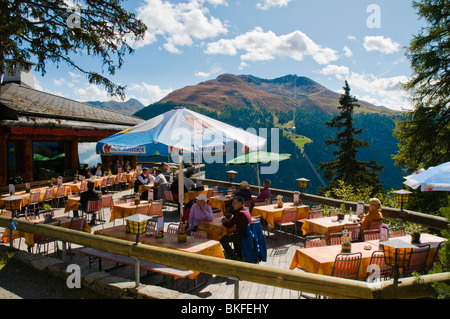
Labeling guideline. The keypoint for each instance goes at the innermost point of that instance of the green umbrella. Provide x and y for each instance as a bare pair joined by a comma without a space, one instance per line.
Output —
39,157
258,157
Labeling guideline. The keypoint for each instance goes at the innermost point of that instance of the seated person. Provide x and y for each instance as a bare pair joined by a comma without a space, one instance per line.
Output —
159,180
374,214
200,211
98,171
115,168
90,194
265,193
244,191
85,171
241,218
143,179
188,183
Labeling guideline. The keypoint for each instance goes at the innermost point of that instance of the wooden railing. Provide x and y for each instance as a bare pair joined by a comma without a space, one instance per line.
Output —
435,222
410,287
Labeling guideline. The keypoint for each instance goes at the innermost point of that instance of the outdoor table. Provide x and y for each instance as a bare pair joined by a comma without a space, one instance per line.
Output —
215,228
143,188
192,194
325,225
26,196
429,239
193,245
75,186
72,204
125,209
30,238
272,213
320,260
221,202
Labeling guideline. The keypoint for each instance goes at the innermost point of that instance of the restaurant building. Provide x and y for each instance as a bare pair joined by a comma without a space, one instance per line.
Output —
40,132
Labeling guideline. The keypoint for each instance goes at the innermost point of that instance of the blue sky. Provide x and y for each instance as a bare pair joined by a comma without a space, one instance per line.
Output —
191,41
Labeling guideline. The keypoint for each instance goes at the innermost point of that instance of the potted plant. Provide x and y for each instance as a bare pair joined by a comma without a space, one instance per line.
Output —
415,234
182,235
75,177
280,201
137,199
346,245
48,215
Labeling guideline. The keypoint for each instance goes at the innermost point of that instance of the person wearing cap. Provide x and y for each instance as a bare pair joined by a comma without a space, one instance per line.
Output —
244,191
200,211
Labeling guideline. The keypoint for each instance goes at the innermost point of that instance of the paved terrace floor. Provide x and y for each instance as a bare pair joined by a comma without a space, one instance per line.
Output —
280,254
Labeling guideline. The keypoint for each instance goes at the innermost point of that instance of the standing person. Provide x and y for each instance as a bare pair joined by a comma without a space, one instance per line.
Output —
91,193
200,211
241,218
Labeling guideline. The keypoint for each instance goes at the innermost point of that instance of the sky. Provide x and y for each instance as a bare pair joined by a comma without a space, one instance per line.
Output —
191,41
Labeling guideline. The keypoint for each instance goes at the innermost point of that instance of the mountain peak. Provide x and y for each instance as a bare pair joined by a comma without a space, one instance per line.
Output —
285,93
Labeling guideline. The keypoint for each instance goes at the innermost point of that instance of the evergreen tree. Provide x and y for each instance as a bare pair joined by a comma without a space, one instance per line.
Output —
346,167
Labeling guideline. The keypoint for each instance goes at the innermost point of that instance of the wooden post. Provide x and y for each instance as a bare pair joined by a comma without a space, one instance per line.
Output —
28,159
3,158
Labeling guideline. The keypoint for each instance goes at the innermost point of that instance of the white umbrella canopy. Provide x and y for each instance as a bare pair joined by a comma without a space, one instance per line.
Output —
436,178
179,131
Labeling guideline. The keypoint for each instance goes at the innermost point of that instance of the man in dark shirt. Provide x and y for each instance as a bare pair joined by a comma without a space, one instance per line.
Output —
241,218
90,194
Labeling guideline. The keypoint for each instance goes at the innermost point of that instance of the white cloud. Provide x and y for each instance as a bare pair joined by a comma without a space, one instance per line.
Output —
258,45
266,4
347,51
380,43
214,69
63,82
351,37
146,93
179,24
339,71
93,93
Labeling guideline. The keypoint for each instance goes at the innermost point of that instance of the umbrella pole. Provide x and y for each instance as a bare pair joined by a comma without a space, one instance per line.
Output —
180,185
257,175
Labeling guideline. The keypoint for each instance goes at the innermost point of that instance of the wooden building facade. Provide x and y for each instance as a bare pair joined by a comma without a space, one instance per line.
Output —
39,129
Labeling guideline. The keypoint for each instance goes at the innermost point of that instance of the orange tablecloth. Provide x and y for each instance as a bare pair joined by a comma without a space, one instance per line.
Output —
192,194
124,209
72,203
216,230
143,188
320,260
429,239
272,213
26,196
324,226
75,187
192,245
30,238
221,202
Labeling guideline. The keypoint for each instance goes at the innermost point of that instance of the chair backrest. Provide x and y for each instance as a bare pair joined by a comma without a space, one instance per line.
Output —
260,202
347,265
418,259
378,259
49,193
156,208
60,191
172,228
439,247
335,238
110,180
142,209
123,178
315,241
375,225
354,229
77,223
289,215
371,234
248,204
218,214
315,214
94,206
34,197
396,232
83,186
200,233
168,195
106,201
104,181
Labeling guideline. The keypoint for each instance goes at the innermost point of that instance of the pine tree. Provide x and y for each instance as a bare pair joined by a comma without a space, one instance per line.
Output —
346,167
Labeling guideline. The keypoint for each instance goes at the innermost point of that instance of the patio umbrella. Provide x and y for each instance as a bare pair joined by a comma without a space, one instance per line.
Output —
258,157
178,131
436,178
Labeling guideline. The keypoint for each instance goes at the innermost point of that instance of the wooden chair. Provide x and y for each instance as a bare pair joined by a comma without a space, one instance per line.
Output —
346,265
46,241
83,187
396,232
335,238
59,196
371,234
168,198
354,229
418,260
377,259
172,228
48,197
93,207
76,223
142,209
106,204
104,185
315,241
33,203
200,233
218,214
156,208
375,225
315,214
289,218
